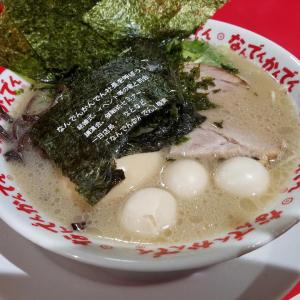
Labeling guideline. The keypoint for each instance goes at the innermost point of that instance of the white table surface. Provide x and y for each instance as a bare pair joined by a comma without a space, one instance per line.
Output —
28,272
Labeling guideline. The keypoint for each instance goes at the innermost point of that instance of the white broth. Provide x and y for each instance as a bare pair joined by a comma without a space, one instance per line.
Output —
264,109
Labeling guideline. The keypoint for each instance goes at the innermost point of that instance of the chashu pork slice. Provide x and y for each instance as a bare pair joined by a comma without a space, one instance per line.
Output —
209,141
225,134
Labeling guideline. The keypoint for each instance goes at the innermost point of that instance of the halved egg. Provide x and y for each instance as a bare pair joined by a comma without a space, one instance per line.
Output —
138,169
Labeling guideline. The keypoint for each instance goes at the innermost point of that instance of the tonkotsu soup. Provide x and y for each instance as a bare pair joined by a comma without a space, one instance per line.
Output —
221,175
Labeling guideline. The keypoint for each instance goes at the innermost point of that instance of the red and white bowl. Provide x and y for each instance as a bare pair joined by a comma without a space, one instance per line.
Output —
18,212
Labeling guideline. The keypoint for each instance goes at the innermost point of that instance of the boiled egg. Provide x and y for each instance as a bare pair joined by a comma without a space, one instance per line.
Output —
138,169
149,211
185,178
243,177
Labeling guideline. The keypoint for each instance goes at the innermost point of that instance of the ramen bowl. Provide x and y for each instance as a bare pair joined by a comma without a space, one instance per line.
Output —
280,214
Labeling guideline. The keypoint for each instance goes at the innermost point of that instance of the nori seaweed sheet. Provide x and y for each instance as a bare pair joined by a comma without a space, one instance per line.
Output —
55,31
120,19
17,54
90,164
